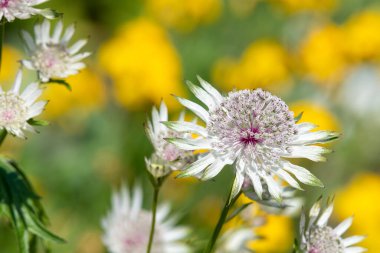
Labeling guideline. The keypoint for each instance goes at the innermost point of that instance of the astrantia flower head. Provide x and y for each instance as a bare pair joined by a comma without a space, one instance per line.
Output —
254,131
127,227
16,109
50,55
318,237
22,9
166,156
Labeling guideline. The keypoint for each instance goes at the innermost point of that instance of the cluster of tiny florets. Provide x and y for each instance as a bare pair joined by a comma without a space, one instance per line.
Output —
251,118
51,60
13,111
324,240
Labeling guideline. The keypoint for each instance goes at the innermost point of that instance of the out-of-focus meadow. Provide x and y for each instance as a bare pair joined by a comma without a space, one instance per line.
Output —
321,56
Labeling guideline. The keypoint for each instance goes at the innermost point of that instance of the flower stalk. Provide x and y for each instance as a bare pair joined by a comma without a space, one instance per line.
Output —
222,219
154,211
2,34
3,134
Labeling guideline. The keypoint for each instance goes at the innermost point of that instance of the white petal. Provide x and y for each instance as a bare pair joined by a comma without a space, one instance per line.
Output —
237,185
211,90
202,95
136,202
190,144
57,32
302,174
355,250
322,221
195,108
68,34
313,153
28,40
198,166
288,178
77,46
305,127
256,183
314,138
163,111
342,227
213,170
17,83
187,127
273,187
353,240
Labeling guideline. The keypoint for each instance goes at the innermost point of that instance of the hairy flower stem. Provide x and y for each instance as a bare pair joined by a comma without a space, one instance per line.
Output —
3,134
154,211
221,221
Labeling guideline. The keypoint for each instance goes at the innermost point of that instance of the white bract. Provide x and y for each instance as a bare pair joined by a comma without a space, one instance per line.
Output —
166,156
50,54
22,9
16,109
254,131
127,227
318,237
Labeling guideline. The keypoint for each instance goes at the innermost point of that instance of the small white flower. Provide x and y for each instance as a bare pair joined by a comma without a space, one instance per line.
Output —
254,131
127,227
318,237
50,55
16,109
22,9
166,156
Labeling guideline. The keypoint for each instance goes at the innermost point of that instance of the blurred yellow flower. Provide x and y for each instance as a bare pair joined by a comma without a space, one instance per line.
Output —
185,15
306,5
263,64
88,94
362,40
317,114
143,64
322,55
359,198
9,64
242,8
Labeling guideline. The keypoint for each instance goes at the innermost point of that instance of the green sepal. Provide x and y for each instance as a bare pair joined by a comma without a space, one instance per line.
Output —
35,122
298,117
60,82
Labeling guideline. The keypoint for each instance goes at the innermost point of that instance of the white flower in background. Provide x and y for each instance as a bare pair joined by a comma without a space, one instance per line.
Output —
359,93
16,109
318,237
50,55
127,227
253,131
235,240
166,156
22,9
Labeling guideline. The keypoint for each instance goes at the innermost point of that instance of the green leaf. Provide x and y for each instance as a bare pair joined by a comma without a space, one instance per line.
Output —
61,82
35,122
36,227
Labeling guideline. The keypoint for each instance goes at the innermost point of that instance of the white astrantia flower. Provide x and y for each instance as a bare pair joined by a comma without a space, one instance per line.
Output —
254,131
16,107
22,9
166,156
318,237
50,54
127,226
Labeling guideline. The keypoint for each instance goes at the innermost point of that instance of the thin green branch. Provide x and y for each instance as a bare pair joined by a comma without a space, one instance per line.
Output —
154,211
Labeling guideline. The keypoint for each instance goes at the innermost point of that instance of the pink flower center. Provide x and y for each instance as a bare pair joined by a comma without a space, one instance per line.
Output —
313,250
4,3
250,136
7,115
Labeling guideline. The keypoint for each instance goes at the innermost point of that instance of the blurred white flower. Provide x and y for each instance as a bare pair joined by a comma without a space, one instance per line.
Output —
166,156
359,93
127,226
22,9
50,55
318,237
235,240
253,131
16,109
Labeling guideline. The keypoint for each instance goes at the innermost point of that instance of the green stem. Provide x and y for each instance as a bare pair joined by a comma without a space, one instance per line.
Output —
221,221
3,134
154,211
2,32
